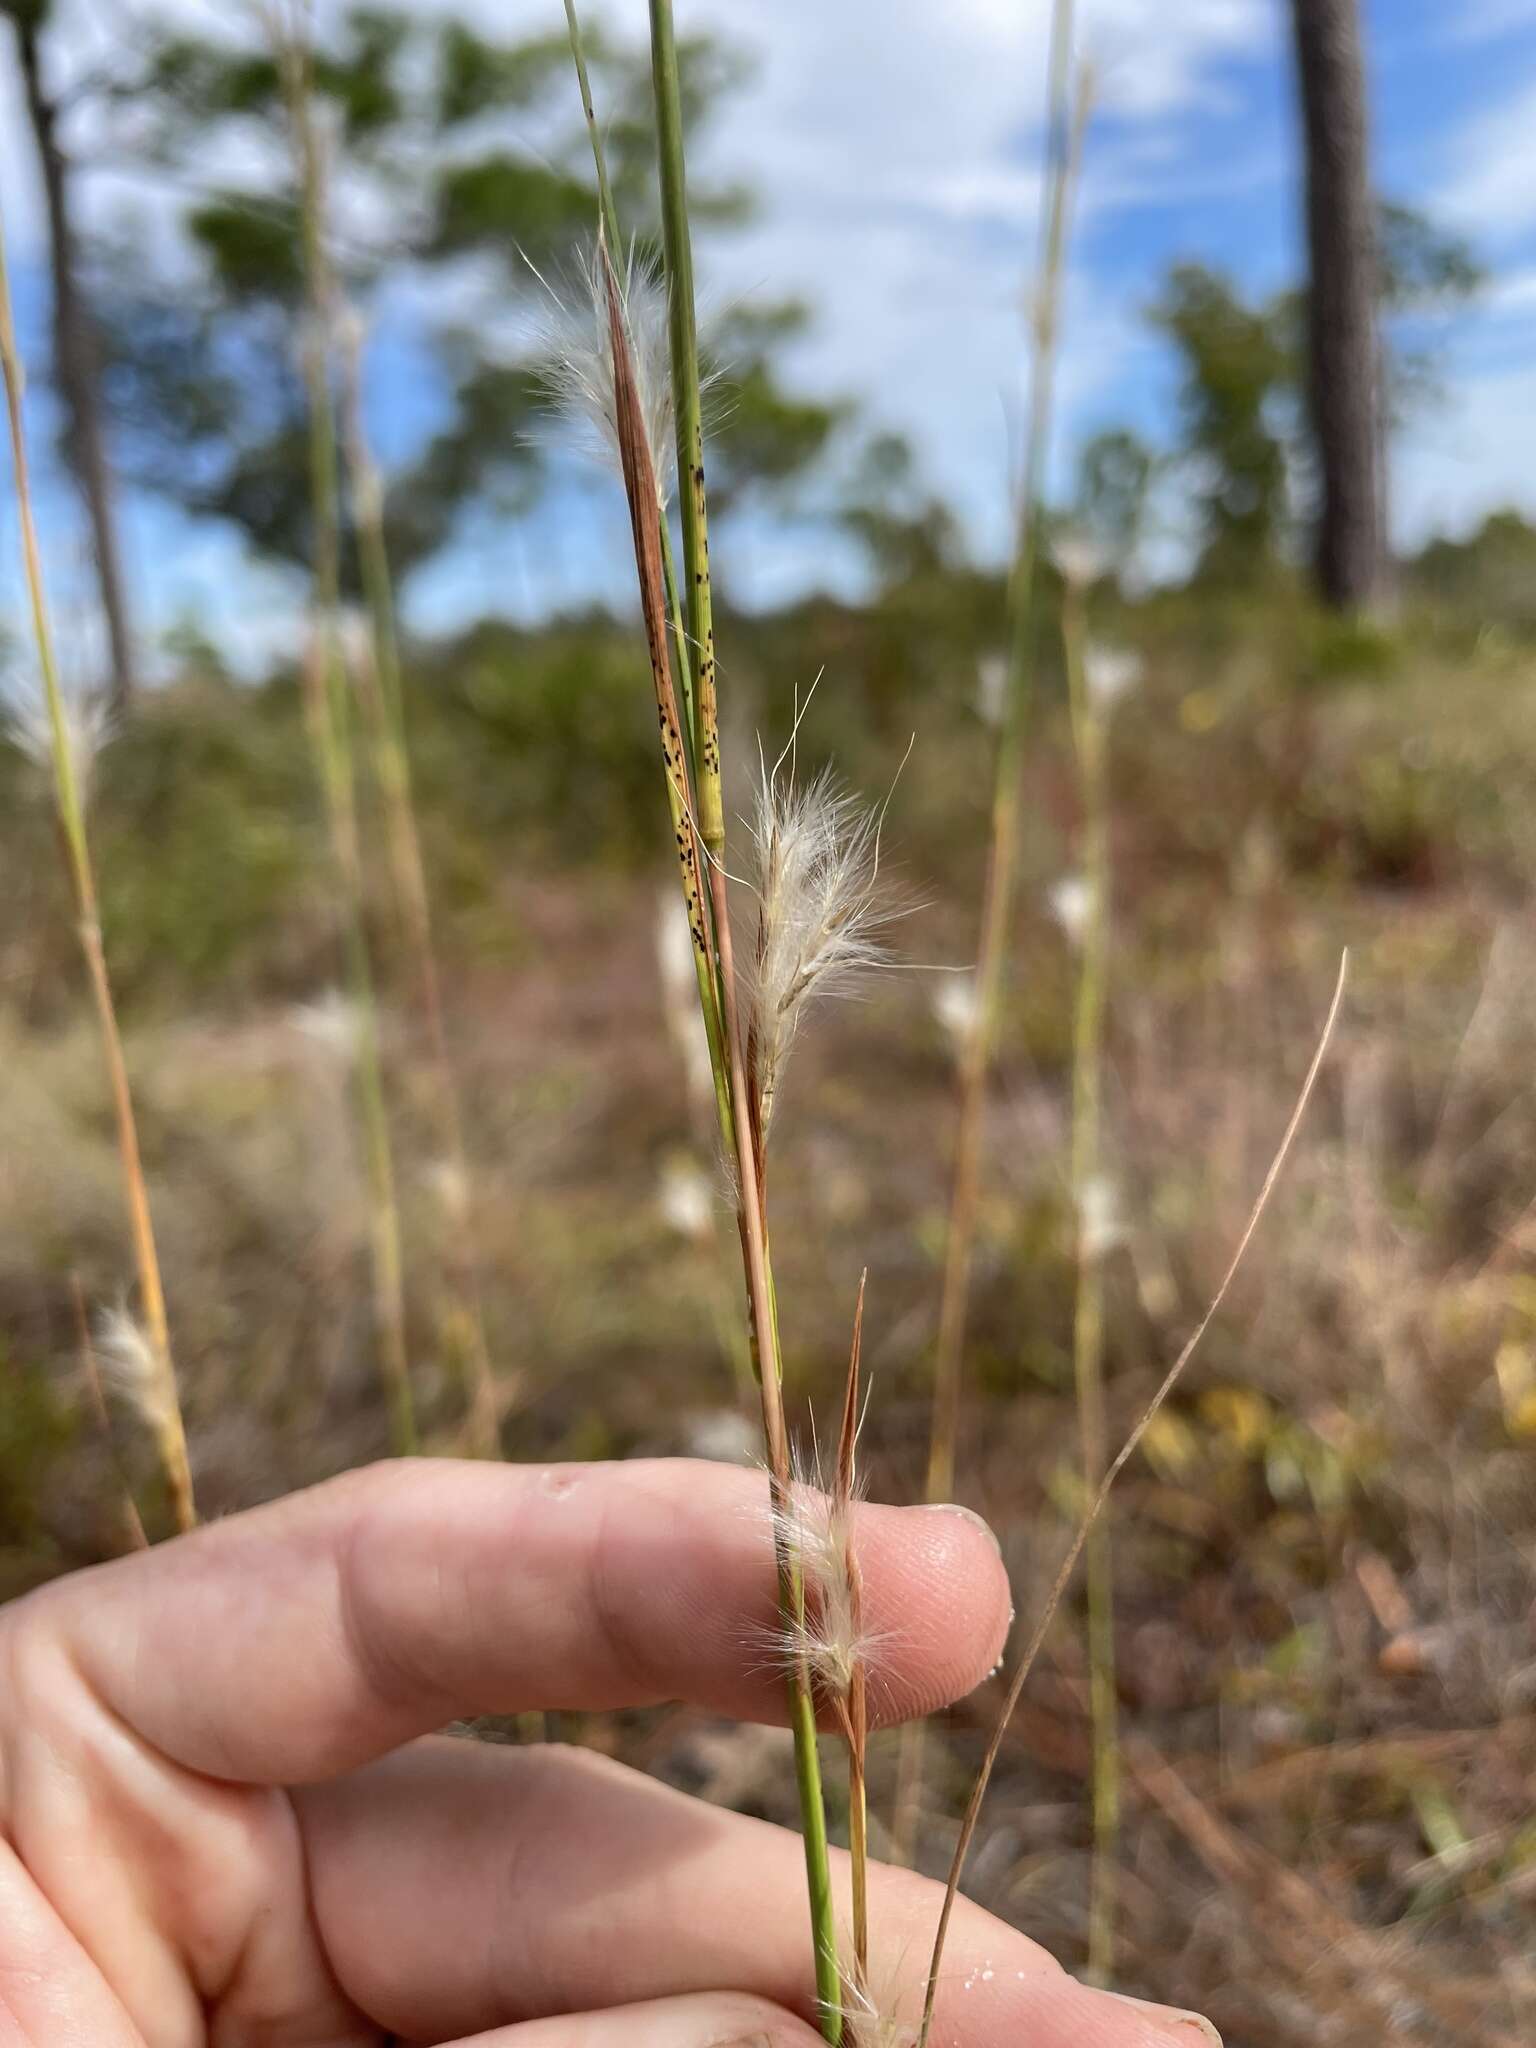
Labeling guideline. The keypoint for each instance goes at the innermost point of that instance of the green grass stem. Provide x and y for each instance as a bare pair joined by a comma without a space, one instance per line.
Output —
331,729
979,1046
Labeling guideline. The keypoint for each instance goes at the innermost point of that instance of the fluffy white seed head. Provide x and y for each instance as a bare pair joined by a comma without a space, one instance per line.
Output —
956,1001
991,688
573,337
1109,672
871,2021
87,722
448,1183
130,1369
1070,900
687,1200
1079,560
1101,1220
819,912
813,1528
331,1022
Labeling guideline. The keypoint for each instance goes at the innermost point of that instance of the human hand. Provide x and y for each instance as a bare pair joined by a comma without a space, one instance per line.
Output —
223,1820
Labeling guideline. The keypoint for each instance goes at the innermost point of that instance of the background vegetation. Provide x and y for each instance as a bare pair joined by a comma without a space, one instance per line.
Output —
1324,1554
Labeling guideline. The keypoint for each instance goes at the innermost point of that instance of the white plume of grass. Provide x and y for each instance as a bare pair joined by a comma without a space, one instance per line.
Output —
820,912
1080,561
991,688
875,2022
1109,672
813,1530
956,1004
1070,900
88,725
135,1373
572,337
331,1021
129,1368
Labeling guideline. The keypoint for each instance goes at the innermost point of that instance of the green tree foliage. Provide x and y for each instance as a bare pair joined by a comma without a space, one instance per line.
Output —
460,179
1115,474
906,531
1238,375
1241,383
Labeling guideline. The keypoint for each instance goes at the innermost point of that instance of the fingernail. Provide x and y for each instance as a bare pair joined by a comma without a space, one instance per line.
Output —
949,1507
1183,2027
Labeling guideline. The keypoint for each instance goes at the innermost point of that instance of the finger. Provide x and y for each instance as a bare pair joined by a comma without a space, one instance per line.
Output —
461,1886
51,1994
729,2021
301,1639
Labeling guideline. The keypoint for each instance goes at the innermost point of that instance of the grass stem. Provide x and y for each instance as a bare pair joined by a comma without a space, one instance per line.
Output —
1091,732
69,798
1096,1506
688,406
979,1045
331,730
383,698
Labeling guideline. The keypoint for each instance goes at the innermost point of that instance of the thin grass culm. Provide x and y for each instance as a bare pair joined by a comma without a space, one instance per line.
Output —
382,693
1096,1505
1066,118
1094,678
330,726
692,772
63,740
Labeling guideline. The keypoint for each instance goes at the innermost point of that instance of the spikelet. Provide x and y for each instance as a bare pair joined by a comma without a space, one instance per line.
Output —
577,370
139,1374
991,688
819,914
874,2022
1109,672
129,1368
956,1005
1070,900
813,1529
330,1021
87,722
1079,560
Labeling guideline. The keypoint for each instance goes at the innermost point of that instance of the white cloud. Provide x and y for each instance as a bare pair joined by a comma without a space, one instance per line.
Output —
1486,186
1475,450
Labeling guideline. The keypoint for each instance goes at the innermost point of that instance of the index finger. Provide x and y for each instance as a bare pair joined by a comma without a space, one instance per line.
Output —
298,1640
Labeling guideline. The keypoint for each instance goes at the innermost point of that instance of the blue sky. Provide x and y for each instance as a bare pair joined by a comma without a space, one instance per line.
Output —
895,145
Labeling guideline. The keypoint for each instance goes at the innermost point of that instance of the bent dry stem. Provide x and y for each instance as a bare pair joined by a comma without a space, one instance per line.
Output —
1096,1506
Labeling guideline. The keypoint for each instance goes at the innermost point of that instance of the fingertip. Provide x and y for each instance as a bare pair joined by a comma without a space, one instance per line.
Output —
937,1595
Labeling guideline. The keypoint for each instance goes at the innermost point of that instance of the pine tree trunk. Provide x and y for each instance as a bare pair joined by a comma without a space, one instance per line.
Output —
1344,363
77,365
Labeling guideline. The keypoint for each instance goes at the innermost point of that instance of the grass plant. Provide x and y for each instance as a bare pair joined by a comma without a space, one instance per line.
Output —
1093,677
66,743
330,727
383,698
1100,1499
740,1059
1066,117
